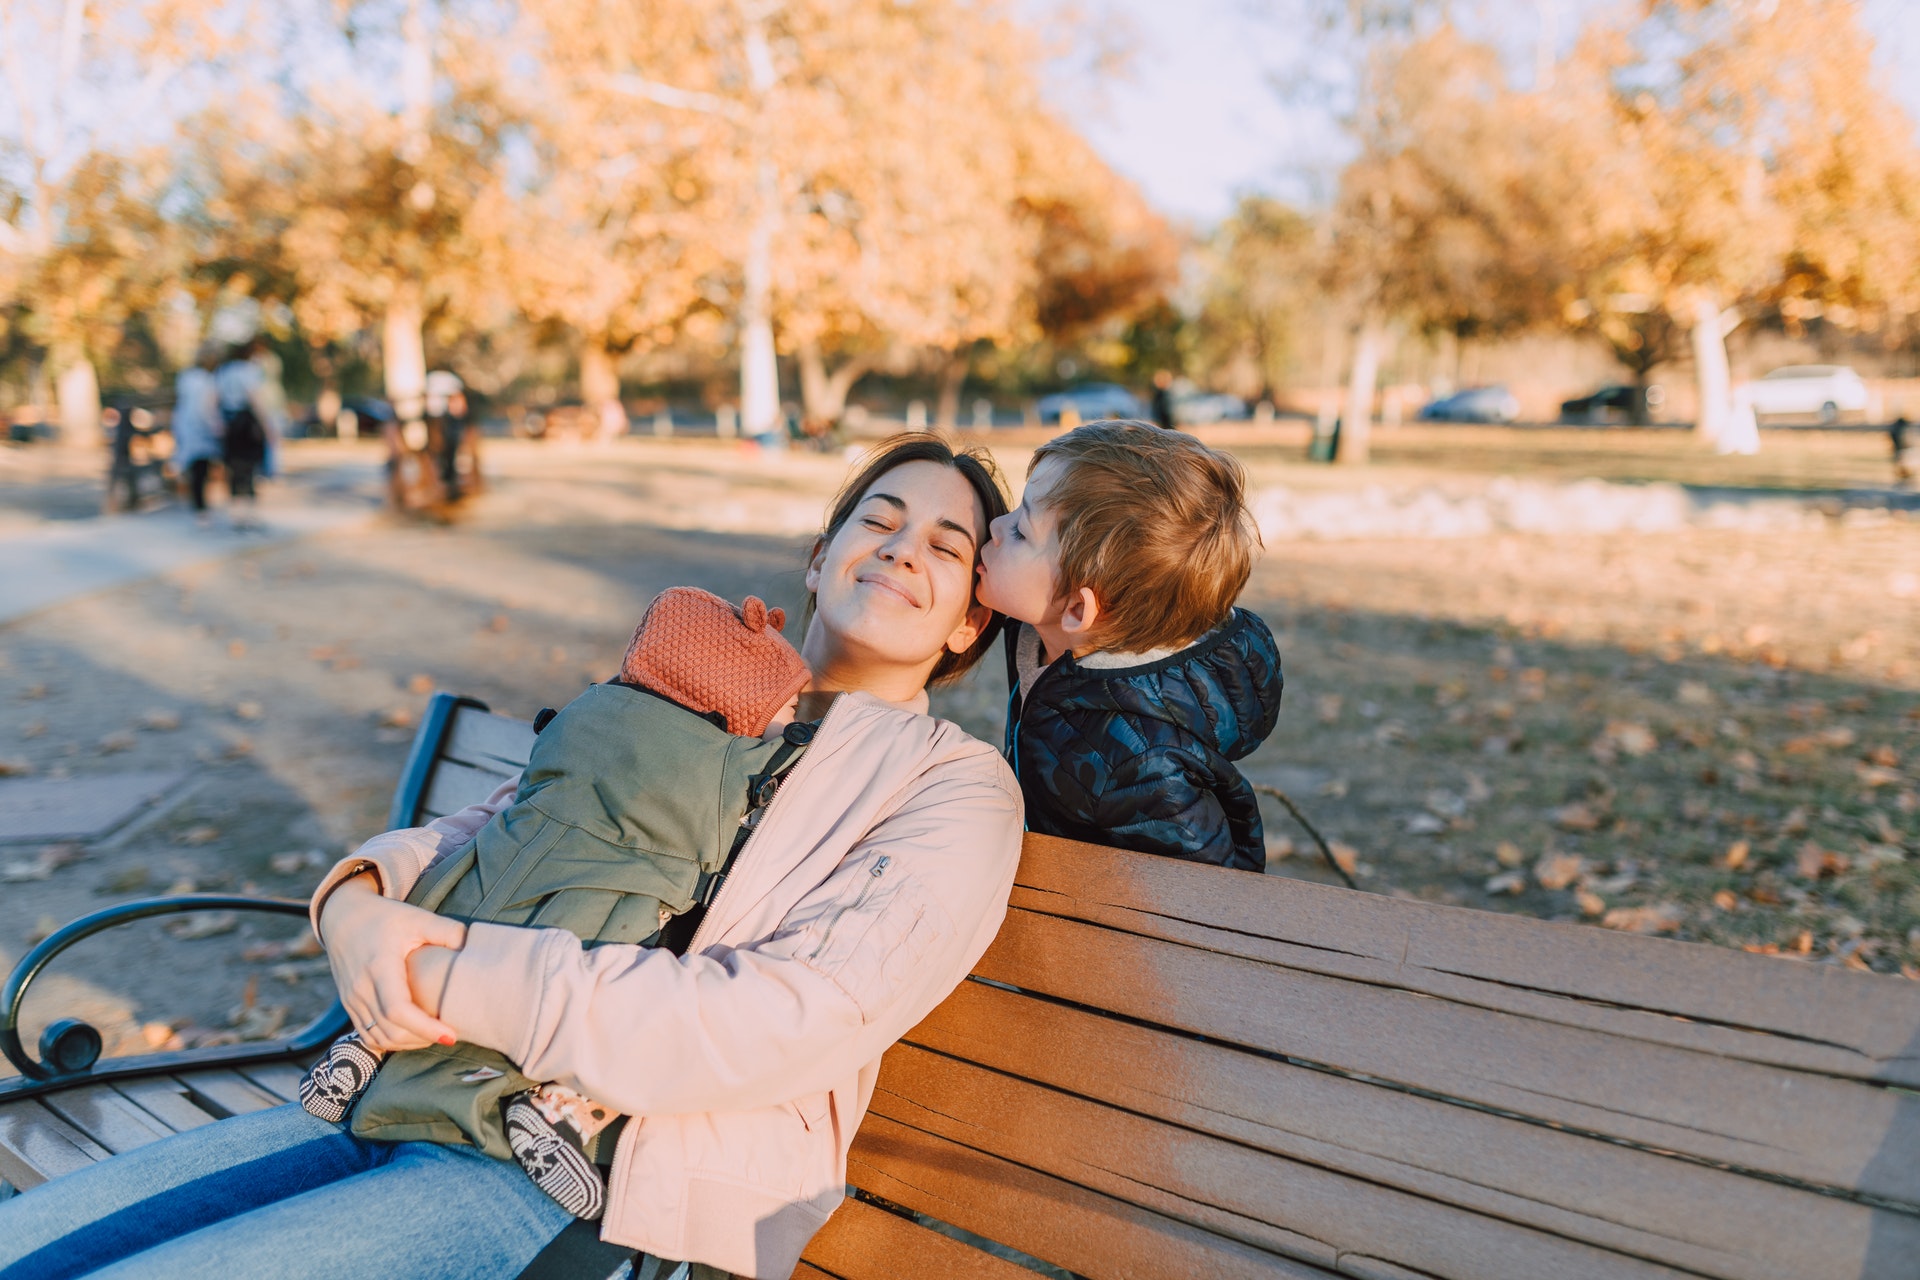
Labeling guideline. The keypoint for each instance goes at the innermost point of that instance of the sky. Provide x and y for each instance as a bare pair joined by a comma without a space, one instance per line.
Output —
1195,117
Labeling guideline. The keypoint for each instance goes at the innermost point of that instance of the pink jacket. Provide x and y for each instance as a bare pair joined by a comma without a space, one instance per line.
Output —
874,882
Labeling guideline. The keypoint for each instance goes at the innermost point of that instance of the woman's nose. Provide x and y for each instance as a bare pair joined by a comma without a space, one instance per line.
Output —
901,549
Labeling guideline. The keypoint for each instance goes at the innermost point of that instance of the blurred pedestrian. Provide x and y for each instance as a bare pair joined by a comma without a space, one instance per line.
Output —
1163,399
1906,457
446,428
270,399
197,428
244,439
121,473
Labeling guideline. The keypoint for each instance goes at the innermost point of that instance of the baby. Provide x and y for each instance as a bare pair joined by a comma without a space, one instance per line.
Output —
592,844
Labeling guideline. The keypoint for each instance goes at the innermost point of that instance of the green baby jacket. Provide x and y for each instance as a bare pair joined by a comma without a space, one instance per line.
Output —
628,807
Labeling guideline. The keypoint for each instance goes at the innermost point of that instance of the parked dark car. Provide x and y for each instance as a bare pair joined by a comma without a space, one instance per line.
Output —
1091,400
1475,404
1614,404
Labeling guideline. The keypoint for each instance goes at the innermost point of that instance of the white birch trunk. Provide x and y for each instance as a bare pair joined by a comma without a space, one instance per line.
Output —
1715,383
1356,424
600,387
403,352
77,392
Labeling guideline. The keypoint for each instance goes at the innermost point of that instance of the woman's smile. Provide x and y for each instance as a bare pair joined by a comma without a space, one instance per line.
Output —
881,582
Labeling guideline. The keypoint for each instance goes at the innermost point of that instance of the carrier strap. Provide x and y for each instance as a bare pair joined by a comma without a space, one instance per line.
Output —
578,1253
761,787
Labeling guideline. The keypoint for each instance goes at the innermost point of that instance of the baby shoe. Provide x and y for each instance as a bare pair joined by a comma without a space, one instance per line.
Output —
329,1089
550,1142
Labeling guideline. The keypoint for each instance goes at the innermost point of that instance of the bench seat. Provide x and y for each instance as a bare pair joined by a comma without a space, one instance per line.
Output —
1168,1070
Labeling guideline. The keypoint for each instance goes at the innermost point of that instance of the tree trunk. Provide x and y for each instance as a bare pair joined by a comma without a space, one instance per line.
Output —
1356,424
953,379
600,387
759,370
823,394
77,392
403,352
1711,325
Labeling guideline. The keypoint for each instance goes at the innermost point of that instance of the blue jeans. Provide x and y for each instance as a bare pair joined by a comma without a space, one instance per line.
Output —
280,1193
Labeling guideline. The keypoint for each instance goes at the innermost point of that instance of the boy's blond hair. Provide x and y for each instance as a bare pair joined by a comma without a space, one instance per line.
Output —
1156,524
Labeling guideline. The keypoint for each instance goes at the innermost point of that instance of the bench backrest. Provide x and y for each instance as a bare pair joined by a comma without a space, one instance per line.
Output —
1168,1070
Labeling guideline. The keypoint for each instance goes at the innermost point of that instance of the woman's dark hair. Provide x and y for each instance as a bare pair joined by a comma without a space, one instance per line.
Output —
976,467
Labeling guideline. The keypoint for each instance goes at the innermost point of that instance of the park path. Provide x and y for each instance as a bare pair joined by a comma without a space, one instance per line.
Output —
57,561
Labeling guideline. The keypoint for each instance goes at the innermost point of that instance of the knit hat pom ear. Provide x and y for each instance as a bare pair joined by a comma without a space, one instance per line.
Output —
754,613
777,618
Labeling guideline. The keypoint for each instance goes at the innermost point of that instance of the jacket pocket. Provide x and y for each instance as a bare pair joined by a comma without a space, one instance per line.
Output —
871,945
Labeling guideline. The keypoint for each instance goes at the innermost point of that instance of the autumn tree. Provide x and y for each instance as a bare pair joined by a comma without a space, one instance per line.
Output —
1261,269
82,247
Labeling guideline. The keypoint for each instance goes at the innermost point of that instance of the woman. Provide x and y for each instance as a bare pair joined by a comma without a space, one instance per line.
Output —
876,878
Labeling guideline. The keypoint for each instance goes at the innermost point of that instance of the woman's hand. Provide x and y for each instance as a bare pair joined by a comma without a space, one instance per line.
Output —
369,939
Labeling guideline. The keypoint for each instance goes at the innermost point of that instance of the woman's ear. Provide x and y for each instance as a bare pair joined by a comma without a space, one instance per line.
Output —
1078,618
813,564
978,619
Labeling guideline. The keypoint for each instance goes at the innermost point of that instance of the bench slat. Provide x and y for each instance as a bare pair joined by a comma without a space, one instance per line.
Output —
455,786
227,1093
281,1079
1088,1233
37,1145
495,743
1814,1017
1817,1129
1220,1186
166,1100
110,1119
1673,1211
861,1242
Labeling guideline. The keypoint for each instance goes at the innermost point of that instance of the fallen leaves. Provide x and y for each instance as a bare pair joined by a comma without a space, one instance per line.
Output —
203,924
294,861
1736,855
1578,816
1508,854
1624,738
43,864
1556,871
198,835
1812,862
247,710
1508,882
1694,694
1837,737
421,684
16,767
118,740
1659,917
1345,856
159,720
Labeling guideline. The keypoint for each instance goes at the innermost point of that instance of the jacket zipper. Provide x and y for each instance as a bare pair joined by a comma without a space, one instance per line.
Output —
766,816
879,869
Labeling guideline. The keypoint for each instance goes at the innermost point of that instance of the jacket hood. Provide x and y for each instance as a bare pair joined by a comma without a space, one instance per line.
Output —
1224,688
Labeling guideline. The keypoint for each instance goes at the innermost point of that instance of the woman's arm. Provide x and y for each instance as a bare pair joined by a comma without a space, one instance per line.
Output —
371,940
397,859
854,966
370,936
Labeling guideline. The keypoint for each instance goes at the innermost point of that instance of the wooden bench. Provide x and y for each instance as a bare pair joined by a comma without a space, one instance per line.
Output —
1162,1070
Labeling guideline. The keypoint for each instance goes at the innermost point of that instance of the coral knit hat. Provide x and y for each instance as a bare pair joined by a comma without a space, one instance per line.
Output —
705,654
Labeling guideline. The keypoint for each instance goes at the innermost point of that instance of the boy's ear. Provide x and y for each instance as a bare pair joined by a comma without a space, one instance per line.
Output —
1077,620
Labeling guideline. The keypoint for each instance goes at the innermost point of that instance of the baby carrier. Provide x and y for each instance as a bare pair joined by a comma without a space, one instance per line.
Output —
627,816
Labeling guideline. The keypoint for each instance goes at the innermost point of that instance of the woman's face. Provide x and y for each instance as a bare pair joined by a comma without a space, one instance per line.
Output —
894,587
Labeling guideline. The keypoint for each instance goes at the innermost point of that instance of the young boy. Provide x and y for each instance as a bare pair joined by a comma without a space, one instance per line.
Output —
1135,682
587,846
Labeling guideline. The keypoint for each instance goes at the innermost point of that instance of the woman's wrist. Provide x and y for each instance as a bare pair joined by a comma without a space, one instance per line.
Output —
343,897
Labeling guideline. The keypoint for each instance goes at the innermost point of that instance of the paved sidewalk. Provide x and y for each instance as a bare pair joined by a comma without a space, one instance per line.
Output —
59,561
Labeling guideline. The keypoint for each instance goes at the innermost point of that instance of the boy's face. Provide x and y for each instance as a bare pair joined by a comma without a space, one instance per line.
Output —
1020,565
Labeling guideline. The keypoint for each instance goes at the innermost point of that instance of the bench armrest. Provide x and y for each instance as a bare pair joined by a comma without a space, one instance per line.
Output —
69,1048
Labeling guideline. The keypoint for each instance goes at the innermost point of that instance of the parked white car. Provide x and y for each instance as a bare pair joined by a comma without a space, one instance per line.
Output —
1823,390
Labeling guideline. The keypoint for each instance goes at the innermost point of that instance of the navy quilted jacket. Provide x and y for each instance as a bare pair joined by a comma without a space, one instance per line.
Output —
1141,757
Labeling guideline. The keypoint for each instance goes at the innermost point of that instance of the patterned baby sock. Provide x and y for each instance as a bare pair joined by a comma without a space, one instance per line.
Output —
548,1128
329,1089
